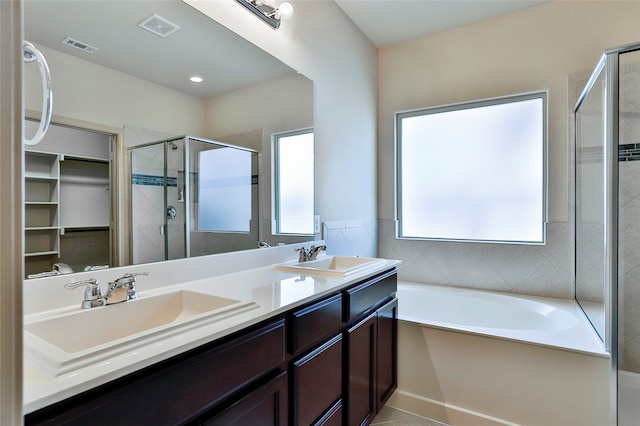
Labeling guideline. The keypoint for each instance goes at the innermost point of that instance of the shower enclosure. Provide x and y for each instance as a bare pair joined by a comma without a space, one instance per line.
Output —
192,197
607,129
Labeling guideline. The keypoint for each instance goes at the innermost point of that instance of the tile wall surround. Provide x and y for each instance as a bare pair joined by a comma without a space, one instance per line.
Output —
539,270
351,238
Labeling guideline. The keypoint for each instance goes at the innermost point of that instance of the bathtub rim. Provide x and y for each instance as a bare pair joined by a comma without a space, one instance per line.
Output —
587,342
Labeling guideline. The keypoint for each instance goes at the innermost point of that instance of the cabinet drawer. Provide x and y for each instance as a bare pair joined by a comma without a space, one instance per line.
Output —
265,406
317,382
361,298
176,390
333,417
315,323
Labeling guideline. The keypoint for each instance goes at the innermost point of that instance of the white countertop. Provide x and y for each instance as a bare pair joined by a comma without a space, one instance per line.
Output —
246,276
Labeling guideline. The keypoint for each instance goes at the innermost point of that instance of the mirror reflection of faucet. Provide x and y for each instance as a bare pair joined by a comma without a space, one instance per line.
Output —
120,290
58,269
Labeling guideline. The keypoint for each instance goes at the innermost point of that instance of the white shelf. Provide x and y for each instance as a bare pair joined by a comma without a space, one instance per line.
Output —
40,177
67,200
40,253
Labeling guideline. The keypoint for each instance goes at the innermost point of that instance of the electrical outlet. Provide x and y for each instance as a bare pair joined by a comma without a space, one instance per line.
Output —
316,224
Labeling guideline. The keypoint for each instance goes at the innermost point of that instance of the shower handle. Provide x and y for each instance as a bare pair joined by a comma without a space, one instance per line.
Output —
171,212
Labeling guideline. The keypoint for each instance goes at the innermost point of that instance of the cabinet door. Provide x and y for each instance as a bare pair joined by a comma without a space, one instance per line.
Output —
360,371
387,356
265,406
317,382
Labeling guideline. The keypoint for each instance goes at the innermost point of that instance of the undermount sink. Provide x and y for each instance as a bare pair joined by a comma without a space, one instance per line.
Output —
340,266
84,337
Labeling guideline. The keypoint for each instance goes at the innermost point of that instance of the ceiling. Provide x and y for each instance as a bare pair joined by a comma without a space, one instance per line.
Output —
202,46
387,22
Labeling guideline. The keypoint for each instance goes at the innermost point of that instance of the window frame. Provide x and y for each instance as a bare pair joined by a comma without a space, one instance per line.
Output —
399,116
276,223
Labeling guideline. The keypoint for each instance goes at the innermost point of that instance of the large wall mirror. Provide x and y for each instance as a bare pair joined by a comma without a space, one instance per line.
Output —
246,97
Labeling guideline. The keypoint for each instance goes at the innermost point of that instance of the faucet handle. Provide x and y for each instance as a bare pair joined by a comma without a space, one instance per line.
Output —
304,255
92,293
129,281
76,284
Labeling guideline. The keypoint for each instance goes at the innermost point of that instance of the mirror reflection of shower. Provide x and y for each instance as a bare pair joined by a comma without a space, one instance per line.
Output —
213,208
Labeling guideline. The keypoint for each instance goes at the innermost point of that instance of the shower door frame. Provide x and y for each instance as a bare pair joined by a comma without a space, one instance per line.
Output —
610,65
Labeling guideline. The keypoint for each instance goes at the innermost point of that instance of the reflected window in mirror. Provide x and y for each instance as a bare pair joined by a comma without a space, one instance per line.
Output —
294,182
224,190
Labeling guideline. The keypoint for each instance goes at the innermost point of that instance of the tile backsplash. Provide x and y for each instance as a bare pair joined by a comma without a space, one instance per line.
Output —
351,238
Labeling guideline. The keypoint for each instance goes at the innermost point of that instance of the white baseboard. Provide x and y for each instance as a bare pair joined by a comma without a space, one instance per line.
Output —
442,412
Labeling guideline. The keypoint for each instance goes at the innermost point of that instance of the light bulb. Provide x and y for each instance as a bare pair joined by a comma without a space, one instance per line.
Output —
271,3
285,10
196,79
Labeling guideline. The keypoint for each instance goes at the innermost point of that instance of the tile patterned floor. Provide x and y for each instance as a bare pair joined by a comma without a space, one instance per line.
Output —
389,416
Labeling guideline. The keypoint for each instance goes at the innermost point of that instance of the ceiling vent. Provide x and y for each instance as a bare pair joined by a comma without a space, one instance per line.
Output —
68,41
159,26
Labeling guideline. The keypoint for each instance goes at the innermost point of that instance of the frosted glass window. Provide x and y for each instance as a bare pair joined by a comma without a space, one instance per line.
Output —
224,190
294,183
474,171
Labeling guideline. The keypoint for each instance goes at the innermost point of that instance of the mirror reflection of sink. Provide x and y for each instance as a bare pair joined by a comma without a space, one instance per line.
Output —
340,266
84,337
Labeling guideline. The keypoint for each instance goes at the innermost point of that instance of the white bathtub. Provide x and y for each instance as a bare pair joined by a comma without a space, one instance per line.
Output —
538,320
470,357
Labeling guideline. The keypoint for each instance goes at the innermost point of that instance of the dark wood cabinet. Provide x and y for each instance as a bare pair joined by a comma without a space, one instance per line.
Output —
360,371
332,361
265,406
178,390
333,417
316,382
387,352
315,322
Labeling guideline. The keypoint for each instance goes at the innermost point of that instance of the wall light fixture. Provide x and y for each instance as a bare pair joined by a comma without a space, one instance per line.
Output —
268,11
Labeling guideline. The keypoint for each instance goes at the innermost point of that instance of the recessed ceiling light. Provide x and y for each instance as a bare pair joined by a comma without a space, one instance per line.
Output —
196,79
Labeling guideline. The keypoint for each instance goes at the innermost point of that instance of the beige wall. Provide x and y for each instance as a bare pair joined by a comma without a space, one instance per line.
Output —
95,94
278,105
530,50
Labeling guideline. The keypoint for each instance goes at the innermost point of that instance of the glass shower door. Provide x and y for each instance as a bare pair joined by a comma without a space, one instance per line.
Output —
158,202
629,239
590,199
147,204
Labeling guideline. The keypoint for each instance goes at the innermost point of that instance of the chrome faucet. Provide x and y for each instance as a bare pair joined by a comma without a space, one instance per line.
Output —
312,254
120,290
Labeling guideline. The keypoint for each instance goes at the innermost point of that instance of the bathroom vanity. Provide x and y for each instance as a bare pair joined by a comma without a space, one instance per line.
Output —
317,350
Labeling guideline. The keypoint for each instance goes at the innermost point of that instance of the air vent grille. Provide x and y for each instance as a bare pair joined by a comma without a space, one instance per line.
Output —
68,41
158,26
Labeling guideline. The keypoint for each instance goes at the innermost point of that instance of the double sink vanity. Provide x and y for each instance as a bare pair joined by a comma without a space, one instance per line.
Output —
253,337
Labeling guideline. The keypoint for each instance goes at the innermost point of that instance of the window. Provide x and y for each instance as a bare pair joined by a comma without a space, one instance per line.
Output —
294,182
474,171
